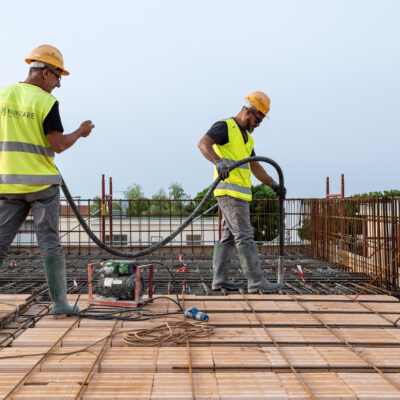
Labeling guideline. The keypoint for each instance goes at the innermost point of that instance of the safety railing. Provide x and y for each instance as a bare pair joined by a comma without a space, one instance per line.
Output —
360,234
133,224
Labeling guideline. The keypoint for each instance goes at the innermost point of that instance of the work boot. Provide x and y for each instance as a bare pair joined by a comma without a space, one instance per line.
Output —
54,268
248,257
221,259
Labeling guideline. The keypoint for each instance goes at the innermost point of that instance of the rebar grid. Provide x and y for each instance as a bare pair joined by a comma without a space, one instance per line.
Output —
361,235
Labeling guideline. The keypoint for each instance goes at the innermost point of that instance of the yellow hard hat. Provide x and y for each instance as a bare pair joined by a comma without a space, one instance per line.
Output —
49,55
260,101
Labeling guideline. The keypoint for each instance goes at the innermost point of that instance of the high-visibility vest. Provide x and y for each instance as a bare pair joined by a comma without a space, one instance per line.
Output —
238,183
26,158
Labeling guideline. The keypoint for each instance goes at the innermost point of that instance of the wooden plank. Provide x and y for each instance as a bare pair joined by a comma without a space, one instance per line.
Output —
50,386
250,386
8,365
337,357
371,336
371,386
169,386
121,386
384,357
239,357
170,359
39,337
228,365
327,386
129,360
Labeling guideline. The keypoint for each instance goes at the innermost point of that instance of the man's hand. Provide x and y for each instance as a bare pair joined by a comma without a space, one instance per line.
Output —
277,189
85,128
222,168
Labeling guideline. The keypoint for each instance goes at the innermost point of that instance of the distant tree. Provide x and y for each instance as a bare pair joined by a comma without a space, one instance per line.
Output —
386,193
264,210
138,205
159,204
304,230
134,192
176,192
95,206
199,197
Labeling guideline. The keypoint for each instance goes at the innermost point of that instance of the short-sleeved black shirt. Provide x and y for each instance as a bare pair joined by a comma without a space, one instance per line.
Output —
219,133
52,122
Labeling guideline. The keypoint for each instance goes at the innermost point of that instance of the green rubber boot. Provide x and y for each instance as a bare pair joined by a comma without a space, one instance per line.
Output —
54,268
221,259
248,257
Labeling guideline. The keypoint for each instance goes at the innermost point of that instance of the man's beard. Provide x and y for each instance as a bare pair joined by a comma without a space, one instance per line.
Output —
248,126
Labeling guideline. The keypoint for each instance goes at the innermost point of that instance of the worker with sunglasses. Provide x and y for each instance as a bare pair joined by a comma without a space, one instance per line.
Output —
226,142
30,133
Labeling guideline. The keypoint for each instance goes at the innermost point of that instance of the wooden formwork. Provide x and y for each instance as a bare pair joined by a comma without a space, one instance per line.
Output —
263,347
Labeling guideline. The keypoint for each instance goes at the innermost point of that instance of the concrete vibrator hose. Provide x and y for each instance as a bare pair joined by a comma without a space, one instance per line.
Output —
194,214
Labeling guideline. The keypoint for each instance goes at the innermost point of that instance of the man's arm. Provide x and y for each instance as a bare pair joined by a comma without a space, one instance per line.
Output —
206,147
259,172
60,142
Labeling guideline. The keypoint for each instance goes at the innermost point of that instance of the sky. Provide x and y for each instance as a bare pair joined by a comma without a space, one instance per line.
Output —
154,76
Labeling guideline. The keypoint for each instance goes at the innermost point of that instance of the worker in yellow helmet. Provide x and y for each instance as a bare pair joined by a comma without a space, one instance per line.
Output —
30,132
226,142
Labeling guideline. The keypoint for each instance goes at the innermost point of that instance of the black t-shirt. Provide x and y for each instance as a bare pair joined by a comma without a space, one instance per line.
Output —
52,122
219,133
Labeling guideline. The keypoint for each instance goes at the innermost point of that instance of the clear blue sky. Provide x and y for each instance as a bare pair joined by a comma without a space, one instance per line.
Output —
154,76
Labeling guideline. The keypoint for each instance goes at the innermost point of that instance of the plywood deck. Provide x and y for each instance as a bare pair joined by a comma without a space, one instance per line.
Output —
268,347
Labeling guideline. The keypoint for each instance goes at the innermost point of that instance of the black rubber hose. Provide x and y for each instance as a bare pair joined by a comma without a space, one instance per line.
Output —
194,214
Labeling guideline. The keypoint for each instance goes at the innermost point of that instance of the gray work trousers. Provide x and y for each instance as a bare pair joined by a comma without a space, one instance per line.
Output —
236,224
45,206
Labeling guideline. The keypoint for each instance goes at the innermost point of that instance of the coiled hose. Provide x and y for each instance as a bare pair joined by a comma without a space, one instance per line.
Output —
194,214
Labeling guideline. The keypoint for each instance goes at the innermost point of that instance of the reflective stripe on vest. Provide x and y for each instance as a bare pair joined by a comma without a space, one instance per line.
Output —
26,157
238,183
234,187
33,179
26,148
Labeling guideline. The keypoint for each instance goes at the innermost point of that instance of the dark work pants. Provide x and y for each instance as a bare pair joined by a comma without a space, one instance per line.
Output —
45,206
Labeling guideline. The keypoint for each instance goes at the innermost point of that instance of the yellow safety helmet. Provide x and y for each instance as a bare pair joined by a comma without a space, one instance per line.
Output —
48,55
260,101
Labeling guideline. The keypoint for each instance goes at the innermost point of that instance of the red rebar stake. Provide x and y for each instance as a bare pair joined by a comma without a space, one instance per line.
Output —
110,213
102,211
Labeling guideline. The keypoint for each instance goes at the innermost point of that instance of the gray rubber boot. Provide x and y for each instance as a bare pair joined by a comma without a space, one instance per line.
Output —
54,268
1,262
248,257
221,260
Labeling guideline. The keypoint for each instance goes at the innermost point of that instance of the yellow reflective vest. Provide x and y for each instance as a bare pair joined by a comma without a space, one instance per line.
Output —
238,183
26,158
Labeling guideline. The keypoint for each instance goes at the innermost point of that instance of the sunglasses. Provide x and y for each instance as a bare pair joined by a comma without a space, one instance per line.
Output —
56,75
258,119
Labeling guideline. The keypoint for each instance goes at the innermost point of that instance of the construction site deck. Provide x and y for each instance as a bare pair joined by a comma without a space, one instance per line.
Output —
332,335
331,331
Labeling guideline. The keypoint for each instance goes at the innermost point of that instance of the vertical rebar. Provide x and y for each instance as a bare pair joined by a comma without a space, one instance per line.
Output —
327,186
342,185
103,209
110,211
